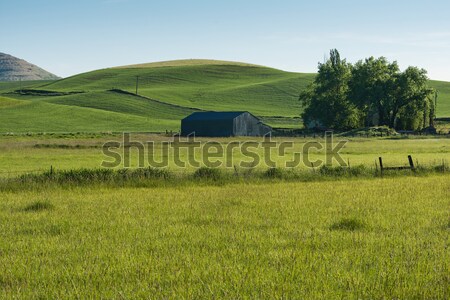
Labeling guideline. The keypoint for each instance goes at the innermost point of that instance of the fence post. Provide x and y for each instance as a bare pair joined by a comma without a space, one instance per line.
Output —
411,163
381,165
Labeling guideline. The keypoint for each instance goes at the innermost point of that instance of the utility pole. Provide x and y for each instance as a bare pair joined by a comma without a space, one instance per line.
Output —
433,113
137,84
435,103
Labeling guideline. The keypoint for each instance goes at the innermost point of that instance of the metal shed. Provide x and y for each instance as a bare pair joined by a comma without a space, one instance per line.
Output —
223,124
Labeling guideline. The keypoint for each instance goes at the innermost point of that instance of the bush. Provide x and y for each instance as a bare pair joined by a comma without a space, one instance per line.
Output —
333,171
208,173
274,173
82,175
355,171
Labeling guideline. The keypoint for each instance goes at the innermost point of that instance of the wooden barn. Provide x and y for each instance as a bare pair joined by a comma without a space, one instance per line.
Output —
223,124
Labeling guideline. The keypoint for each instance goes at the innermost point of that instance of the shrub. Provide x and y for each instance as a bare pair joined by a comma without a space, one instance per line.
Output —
339,171
332,171
274,173
82,175
208,173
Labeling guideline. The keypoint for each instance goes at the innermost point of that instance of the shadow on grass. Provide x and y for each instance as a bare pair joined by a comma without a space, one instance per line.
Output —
348,224
39,206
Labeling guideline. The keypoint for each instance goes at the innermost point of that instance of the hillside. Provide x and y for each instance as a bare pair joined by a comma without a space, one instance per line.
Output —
443,103
187,62
104,100
16,69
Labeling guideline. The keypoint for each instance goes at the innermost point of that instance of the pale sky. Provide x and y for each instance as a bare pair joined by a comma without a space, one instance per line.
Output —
71,37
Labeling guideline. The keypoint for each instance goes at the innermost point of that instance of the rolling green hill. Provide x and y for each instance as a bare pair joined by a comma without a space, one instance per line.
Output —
443,104
263,91
8,102
104,100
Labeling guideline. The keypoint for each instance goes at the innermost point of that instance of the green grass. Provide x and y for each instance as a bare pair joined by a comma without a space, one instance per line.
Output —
126,104
181,87
263,91
171,90
360,239
38,206
43,116
443,104
82,232
8,102
187,62
22,154
11,86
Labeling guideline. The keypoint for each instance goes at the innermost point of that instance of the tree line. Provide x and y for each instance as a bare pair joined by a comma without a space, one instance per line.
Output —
372,92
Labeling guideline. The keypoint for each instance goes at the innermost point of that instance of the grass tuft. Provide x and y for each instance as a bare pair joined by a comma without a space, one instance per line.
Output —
39,206
348,224
144,173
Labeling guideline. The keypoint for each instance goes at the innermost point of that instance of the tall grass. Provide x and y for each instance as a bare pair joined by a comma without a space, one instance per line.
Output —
269,239
148,177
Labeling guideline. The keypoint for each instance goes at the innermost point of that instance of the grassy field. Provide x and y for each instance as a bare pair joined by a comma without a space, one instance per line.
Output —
8,102
443,104
169,91
372,239
243,235
22,154
322,238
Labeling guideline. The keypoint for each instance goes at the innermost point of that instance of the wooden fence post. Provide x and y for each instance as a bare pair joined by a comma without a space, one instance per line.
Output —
411,163
381,165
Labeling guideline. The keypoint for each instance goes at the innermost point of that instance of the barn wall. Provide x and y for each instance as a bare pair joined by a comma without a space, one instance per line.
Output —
210,128
248,125
244,124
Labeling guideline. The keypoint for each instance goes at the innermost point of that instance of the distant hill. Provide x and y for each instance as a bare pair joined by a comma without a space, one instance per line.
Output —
16,69
188,62
104,100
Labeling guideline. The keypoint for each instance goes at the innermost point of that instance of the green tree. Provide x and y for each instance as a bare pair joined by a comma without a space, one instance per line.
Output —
370,88
411,98
325,101
372,92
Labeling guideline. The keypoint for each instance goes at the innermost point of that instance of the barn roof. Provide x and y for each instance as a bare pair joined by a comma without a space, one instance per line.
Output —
214,115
